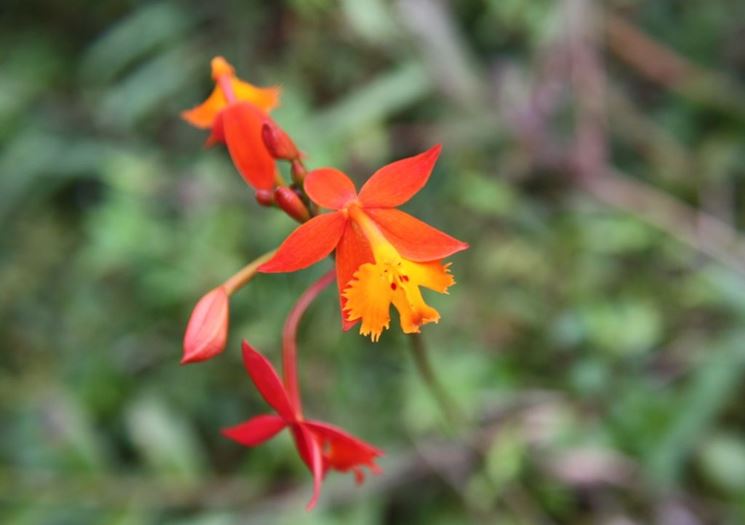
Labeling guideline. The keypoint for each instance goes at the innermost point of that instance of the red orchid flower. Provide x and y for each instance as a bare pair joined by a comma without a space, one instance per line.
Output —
235,112
383,255
321,446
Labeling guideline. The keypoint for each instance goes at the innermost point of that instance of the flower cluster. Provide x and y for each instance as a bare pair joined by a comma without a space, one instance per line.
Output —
382,256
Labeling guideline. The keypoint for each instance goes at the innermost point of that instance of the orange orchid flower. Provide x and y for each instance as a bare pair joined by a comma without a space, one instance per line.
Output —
235,112
383,255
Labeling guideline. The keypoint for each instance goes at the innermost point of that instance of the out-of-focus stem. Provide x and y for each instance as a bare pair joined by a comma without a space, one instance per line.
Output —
240,279
424,367
289,337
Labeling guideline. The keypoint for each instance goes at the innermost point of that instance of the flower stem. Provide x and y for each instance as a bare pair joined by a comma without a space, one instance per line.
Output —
245,274
424,368
289,337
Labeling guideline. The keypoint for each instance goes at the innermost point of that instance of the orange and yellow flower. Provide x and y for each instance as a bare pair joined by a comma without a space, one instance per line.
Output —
383,255
235,113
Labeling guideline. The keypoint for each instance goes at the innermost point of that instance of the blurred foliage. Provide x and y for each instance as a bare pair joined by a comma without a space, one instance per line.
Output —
609,354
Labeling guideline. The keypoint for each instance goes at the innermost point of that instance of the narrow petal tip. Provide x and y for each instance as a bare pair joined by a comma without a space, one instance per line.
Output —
394,184
267,382
256,430
221,67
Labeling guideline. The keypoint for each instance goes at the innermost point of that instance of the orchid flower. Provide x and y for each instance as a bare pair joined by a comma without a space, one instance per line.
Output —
321,446
236,112
383,255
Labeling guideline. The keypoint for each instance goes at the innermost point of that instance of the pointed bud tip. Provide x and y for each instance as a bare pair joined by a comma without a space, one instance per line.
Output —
207,329
278,143
298,171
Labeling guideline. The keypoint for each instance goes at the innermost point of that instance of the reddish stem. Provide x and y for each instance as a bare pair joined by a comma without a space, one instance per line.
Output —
289,338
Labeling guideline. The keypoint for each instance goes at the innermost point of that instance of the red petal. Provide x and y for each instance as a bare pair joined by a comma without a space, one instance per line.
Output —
343,450
242,124
267,382
217,133
310,450
256,430
207,329
396,183
414,239
352,252
330,188
308,244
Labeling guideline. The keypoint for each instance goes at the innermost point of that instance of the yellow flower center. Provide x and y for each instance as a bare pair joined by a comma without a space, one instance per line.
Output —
392,279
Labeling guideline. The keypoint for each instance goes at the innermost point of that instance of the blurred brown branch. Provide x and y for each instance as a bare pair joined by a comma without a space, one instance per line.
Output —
664,66
586,160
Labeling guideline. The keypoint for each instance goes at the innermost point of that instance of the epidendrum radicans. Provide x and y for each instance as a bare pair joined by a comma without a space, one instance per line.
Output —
381,255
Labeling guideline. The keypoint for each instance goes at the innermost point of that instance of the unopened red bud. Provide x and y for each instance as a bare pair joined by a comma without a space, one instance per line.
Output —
207,330
265,197
298,171
278,143
291,203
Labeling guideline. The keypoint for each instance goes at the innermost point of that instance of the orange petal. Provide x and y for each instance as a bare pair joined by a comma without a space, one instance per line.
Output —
375,286
207,329
396,183
352,252
412,309
329,188
369,296
308,244
414,239
203,115
433,275
413,312
242,124
217,133
265,98
221,67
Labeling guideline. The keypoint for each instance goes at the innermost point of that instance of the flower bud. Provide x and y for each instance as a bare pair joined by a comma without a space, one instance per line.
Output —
265,197
291,204
298,172
278,143
207,330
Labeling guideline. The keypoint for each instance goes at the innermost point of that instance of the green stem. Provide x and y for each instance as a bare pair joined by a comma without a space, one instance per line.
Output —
439,393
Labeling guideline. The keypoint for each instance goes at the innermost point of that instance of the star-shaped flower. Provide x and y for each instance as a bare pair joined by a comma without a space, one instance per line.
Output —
383,255
321,446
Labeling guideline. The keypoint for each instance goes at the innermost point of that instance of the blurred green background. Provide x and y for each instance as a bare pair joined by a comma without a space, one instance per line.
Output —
593,158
